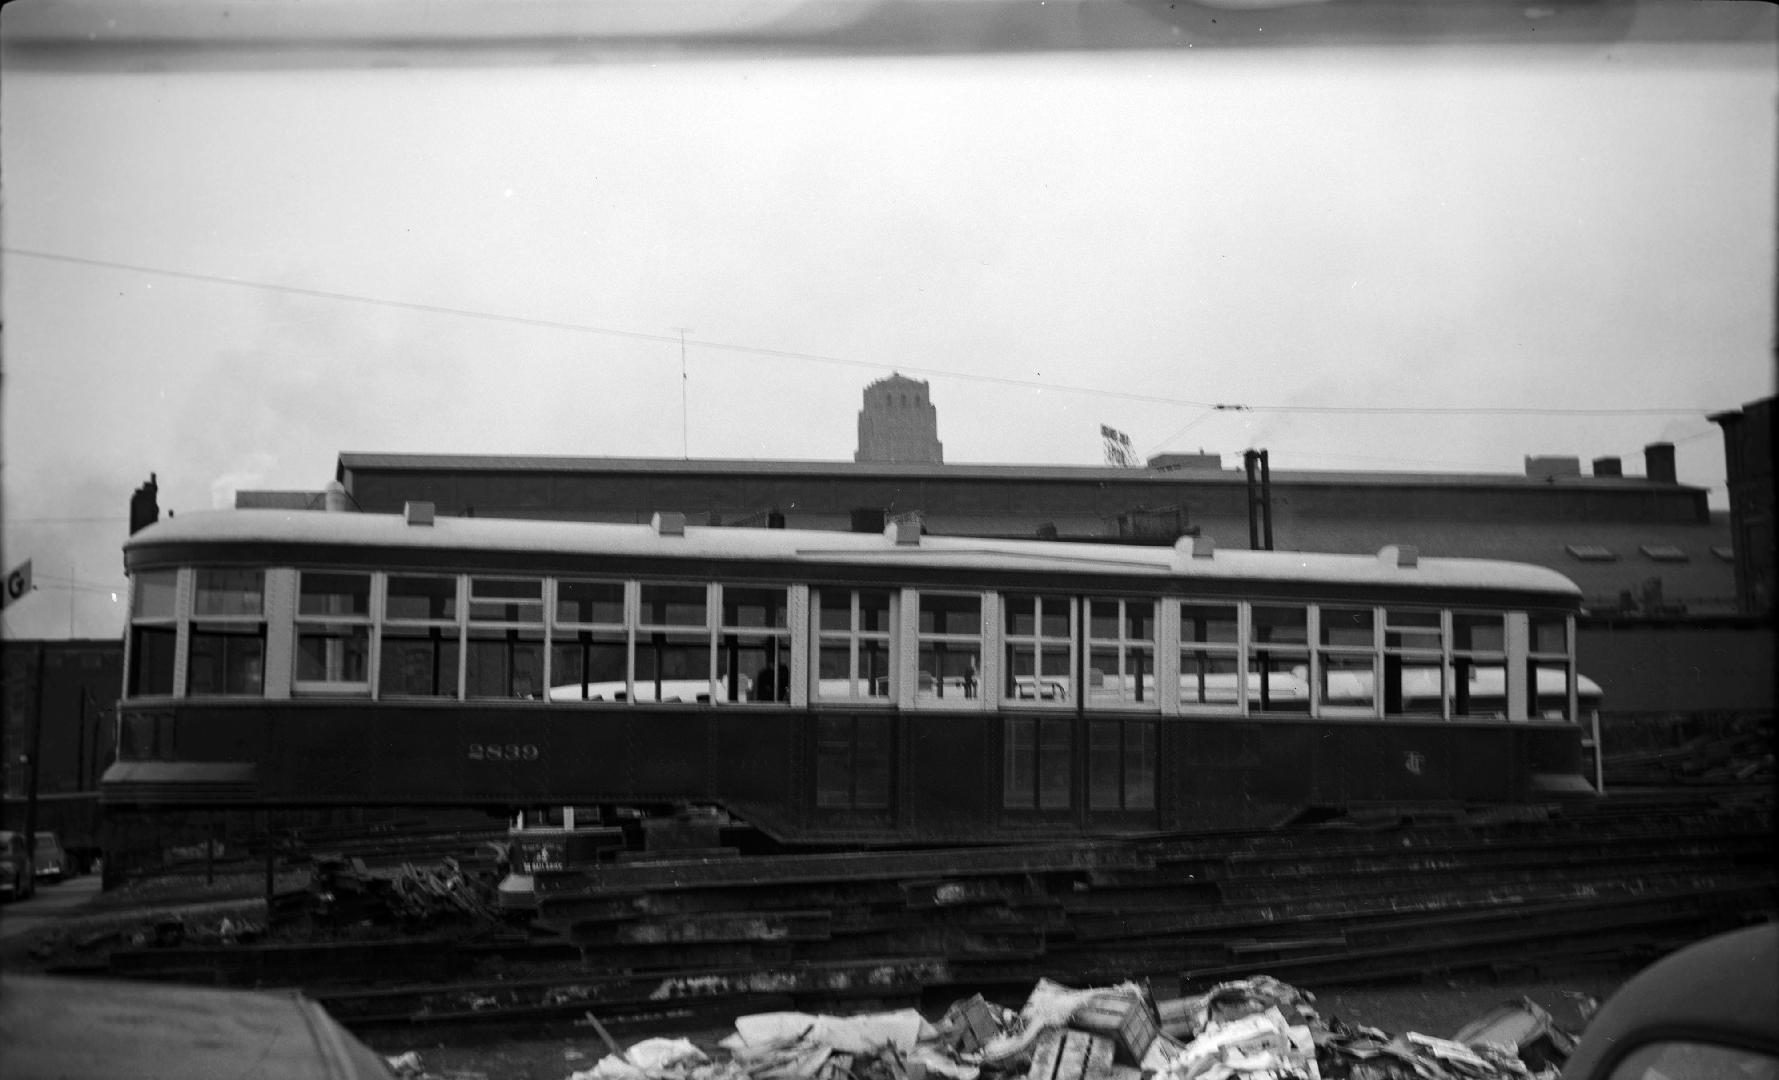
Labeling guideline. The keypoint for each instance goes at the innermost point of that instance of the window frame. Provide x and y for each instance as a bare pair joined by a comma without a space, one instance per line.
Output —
1234,651
562,633
822,637
1258,678
984,638
1140,699
1472,659
1332,656
511,630
455,622
1538,659
677,636
368,622
1036,646
733,639
159,624
1437,656
229,627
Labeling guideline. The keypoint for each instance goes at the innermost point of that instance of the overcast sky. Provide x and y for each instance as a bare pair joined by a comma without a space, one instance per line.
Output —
226,273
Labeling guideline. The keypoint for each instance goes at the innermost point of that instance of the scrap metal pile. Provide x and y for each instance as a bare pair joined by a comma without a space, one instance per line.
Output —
347,892
1249,1029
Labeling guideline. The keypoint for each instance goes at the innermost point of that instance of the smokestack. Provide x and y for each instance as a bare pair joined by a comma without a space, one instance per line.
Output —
1608,466
1658,463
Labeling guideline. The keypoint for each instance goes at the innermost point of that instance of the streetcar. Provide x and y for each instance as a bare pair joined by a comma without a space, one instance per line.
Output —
825,687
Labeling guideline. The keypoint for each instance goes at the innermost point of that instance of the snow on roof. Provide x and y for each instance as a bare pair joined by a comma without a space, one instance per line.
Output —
718,543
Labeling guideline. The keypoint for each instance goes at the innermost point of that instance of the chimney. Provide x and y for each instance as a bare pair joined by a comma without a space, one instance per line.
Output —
1608,466
145,509
1658,463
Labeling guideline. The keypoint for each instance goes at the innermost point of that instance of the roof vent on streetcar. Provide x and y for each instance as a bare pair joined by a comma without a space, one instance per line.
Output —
669,523
1196,547
1405,555
903,531
418,513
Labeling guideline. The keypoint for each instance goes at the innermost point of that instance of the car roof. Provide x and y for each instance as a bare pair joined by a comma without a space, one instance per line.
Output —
1723,990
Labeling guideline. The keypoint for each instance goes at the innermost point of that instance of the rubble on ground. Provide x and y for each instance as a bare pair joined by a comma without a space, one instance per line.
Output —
345,892
1248,1029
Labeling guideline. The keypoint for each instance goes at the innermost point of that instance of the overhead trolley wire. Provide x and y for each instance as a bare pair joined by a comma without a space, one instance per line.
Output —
1001,380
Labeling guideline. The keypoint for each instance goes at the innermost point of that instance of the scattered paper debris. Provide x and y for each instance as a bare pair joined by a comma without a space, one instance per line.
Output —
1249,1029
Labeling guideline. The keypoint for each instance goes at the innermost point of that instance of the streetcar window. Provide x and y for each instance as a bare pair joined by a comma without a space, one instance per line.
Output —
950,647
752,608
754,651
587,665
673,667
1549,635
590,603
504,653
1414,667
673,645
421,647
1346,627
1346,662
1477,677
431,598
1278,663
1478,633
226,652
333,632
156,592
1549,671
334,594
504,663
942,613
675,605
1121,653
506,601
1210,657
418,661
152,651
1550,698
333,656
590,647
226,658
229,592
1039,649
854,645
154,632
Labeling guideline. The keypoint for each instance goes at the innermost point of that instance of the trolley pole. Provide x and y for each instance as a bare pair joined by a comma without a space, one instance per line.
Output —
1250,459
1266,499
684,444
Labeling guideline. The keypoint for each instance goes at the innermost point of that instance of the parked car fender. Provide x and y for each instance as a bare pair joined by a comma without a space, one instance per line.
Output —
1707,1011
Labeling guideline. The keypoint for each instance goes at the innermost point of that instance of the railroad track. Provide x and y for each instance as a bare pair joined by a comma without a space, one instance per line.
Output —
1317,905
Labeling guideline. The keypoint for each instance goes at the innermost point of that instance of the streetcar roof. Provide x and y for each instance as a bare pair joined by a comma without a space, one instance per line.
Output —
833,549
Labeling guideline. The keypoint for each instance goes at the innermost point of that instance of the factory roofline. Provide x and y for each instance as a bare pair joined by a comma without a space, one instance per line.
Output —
352,460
